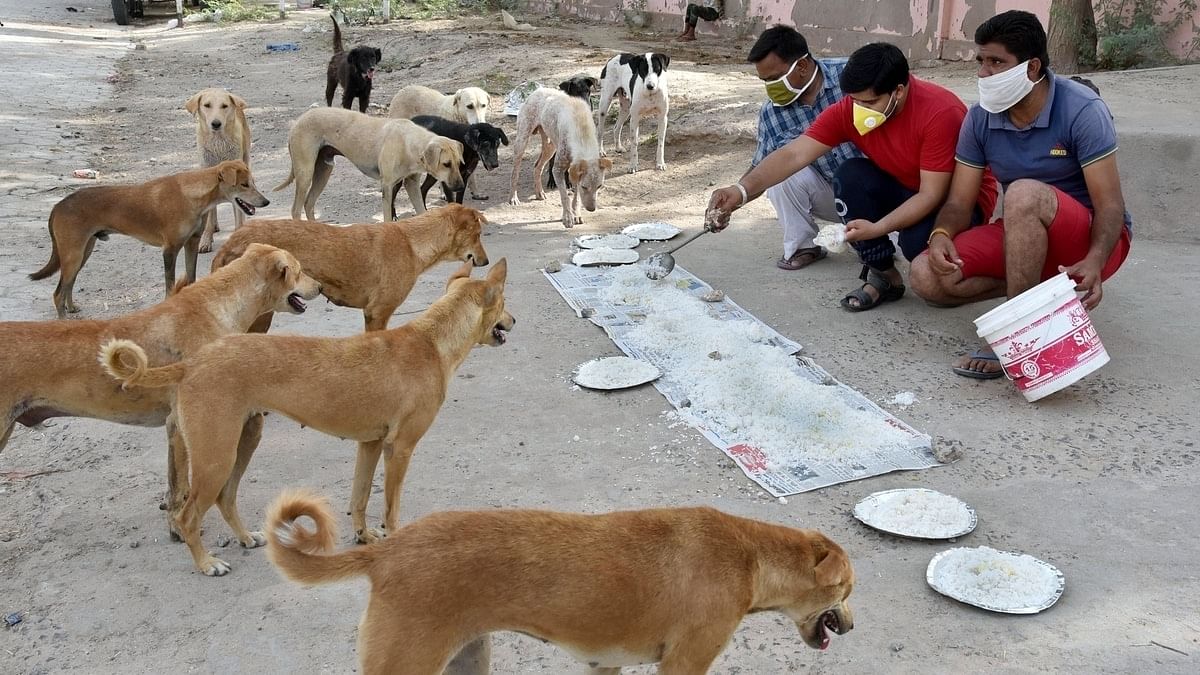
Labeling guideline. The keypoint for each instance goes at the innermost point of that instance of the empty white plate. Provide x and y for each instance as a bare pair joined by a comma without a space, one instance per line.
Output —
605,256
998,581
615,372
652,231
607,241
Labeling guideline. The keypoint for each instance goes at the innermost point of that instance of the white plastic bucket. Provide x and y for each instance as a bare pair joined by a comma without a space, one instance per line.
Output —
1044,338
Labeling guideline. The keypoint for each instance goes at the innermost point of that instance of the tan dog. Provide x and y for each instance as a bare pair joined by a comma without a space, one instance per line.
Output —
565,125
382,389
468,105
392,151
50,367
167,212
372,267
222,134
666,586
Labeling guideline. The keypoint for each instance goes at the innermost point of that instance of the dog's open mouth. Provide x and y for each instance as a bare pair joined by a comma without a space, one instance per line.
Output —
828,622
244,206
370,74
297,303
499,334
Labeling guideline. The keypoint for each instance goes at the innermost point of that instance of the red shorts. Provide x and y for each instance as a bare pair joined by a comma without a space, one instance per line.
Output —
981,248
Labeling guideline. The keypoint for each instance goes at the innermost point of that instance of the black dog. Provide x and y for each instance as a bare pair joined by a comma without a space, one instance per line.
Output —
353,71
480,142
581,87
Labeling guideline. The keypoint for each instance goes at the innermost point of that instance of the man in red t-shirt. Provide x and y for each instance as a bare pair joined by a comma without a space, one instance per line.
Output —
908,130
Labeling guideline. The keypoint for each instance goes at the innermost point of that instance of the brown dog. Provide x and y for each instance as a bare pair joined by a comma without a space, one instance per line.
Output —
382,389
222,134
50,367
372,267
167,212
618,589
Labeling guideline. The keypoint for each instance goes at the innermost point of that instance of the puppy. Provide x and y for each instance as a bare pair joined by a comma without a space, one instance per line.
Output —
581,87
639,82
372,266
167,212
666,586
480,142
222,134
468,105
383,389
564,123
392,151
354,71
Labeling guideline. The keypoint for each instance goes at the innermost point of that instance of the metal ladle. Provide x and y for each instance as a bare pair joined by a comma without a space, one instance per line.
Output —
660,264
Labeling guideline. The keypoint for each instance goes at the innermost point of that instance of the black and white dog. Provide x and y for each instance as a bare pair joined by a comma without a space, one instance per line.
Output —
639,82
581,87
480,143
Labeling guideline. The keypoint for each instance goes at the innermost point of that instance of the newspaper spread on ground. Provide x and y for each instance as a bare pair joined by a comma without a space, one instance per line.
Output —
584,290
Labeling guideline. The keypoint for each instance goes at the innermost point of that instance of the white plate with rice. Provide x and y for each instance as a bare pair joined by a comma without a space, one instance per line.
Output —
605,256
617,241
998,581
615,372
916,513
651,231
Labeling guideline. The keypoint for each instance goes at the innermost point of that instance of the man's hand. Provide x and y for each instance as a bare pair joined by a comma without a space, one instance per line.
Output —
943,256
862,230
1086,274
721,204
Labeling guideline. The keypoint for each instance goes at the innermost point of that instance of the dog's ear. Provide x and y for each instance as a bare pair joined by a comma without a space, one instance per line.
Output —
626,58
664,60
457,98
605,164
431,156
472,137
575,171
463,272
378,55
831,569
592,83
238,102
499,273
503,138
229,172
565,86
193,104
280,262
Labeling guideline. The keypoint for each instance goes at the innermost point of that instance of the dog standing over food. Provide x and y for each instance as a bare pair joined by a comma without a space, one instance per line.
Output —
167,212
481,142
666,586
222,134
639,83
50,369
565,126
581,87
468,105
353,70
382,389
372,266
393,151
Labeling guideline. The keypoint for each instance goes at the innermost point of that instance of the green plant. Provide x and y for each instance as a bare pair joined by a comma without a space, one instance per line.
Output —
366,11
234,10
1133,33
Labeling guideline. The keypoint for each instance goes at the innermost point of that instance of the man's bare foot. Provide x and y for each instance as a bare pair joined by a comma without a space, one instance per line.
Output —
980,364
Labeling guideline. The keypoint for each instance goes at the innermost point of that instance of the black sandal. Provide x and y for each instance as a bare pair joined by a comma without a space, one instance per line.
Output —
887,292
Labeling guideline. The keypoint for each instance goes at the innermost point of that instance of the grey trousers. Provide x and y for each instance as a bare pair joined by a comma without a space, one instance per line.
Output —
798,201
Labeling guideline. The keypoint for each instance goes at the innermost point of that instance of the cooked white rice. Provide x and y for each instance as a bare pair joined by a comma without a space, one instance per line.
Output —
755,390
915,513
604,256
616,372
995,579
652,231
607,241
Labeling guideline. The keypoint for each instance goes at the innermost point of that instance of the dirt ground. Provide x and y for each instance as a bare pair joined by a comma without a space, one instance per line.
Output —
1099,480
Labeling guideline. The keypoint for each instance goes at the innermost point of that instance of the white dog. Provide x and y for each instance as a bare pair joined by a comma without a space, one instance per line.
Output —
468,105
639,82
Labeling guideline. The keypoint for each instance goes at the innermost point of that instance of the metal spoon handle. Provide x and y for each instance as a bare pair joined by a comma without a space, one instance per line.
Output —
689,240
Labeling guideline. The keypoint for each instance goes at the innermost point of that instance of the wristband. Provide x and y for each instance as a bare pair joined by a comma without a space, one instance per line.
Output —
936,232
742,189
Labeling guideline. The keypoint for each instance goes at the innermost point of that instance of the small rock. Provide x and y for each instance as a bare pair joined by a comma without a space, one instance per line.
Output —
897,647
134,544
553,266
587,312
223,540
947,453
13,619
783,500
714,355
713,296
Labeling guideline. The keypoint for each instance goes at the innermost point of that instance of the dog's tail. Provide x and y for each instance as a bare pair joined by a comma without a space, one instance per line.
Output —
53,264
338,47
124,360
286,182
302,554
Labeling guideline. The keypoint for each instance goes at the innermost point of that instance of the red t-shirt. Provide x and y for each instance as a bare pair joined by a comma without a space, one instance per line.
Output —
921,137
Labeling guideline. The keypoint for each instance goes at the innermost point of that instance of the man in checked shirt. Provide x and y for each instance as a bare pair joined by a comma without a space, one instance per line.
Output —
798,87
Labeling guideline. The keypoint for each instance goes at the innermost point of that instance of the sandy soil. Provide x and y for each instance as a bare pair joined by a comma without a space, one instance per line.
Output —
1098,481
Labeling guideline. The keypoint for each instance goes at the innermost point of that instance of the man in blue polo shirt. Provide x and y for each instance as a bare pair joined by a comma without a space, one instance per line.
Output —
799,87
1052,145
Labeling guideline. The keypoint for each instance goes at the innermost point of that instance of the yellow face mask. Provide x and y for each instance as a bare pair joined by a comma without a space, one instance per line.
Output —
867,120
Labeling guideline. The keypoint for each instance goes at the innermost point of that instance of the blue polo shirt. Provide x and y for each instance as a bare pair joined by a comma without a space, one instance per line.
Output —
1074,129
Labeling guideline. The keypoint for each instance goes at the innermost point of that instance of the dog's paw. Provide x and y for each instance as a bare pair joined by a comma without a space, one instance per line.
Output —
214,567
72,309
205,246
633,169
541,196
603,152
368,536
660,166
482,198
514,200
254,540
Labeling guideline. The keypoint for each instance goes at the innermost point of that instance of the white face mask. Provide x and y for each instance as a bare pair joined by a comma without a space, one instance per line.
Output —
1002,91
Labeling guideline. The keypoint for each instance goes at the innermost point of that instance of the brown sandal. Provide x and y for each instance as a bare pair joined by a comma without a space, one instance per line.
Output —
802,258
